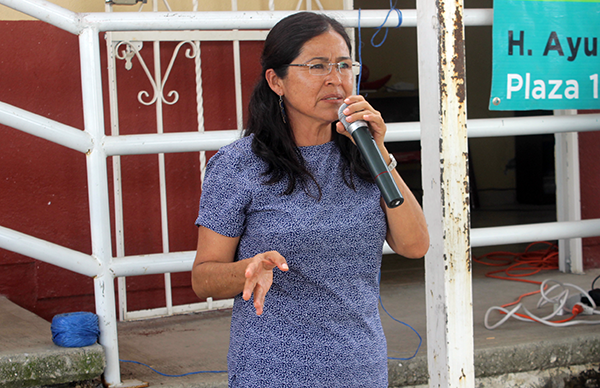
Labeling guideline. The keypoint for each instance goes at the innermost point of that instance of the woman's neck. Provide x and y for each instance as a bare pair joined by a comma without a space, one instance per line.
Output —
312,136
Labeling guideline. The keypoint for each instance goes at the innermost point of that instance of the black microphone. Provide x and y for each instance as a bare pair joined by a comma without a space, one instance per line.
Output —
372,157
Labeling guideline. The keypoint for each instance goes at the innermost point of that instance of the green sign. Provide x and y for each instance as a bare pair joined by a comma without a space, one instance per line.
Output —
546,55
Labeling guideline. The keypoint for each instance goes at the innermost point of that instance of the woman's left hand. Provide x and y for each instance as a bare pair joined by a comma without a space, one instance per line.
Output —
359,109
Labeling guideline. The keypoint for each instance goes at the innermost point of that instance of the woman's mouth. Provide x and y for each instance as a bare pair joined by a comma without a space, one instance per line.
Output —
335,98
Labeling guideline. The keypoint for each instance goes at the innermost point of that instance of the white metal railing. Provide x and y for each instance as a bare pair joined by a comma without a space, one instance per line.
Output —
176,21
207,141
191,141
93,142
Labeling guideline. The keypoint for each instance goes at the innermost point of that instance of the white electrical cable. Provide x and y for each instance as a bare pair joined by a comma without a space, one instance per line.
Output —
545,299
560,302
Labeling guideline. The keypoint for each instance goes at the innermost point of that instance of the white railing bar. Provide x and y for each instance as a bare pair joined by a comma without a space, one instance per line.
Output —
474,17
257,19
192,141
213,140
48,252
403,131
200,107
204,306
169,142
116,168
98,198
93,115
237,73
164,217
127,21
152,264
45,128
533,125
49,13
181,309
480,237
509,126
514,234
499,235
229,20
182,261
178,36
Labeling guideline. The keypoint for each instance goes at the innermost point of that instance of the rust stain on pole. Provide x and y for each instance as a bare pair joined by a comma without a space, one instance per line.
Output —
458,61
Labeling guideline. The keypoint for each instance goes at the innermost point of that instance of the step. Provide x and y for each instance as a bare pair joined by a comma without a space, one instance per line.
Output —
29,358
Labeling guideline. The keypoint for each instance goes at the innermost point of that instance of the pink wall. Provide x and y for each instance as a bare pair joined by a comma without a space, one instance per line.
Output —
43,186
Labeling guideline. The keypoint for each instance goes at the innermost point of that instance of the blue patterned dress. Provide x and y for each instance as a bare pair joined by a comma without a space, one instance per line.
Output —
320,326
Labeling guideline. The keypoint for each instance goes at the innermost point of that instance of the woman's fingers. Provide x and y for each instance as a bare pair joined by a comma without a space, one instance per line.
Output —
359,109
259,298
259,277
339,127
251,281
271,260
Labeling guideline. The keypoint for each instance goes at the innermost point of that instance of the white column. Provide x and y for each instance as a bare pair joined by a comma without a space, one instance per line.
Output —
442,94
568,195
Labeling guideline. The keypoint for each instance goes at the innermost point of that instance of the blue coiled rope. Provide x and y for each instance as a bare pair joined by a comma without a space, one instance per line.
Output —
74,330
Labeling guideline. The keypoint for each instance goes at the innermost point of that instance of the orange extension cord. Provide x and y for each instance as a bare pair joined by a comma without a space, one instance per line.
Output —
531,261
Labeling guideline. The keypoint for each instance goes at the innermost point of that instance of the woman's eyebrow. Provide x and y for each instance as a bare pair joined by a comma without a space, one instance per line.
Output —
324,59
318,58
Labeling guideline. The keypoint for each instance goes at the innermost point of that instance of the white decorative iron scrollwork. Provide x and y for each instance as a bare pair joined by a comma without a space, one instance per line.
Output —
132,48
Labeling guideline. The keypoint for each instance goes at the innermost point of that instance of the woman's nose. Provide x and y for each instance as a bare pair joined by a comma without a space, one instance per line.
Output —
334,76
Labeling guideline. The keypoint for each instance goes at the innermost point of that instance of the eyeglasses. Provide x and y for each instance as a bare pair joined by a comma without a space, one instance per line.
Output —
344,67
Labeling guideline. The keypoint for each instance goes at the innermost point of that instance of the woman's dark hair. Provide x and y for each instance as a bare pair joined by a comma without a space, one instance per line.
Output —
273,139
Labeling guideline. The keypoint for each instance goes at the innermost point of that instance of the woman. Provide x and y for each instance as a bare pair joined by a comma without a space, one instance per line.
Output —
292,225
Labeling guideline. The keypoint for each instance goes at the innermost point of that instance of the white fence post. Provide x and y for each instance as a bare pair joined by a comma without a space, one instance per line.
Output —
93,116
442,94
568,195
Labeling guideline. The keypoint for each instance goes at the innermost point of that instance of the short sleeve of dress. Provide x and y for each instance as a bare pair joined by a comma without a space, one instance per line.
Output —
225,196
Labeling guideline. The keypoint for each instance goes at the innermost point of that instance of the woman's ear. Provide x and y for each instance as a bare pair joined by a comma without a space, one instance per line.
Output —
274,81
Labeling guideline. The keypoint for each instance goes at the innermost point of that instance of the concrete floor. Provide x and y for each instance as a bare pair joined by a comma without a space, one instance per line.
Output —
198,342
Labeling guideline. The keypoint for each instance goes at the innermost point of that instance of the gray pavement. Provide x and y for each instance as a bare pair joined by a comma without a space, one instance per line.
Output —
198,342
29,358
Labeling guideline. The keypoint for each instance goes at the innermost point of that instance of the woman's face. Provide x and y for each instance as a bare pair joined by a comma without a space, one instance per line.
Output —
315,99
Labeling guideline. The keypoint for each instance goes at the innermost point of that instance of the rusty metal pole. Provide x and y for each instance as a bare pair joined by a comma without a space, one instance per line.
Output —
442,93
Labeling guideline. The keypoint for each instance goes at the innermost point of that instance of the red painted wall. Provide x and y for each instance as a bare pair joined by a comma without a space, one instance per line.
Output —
43,186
